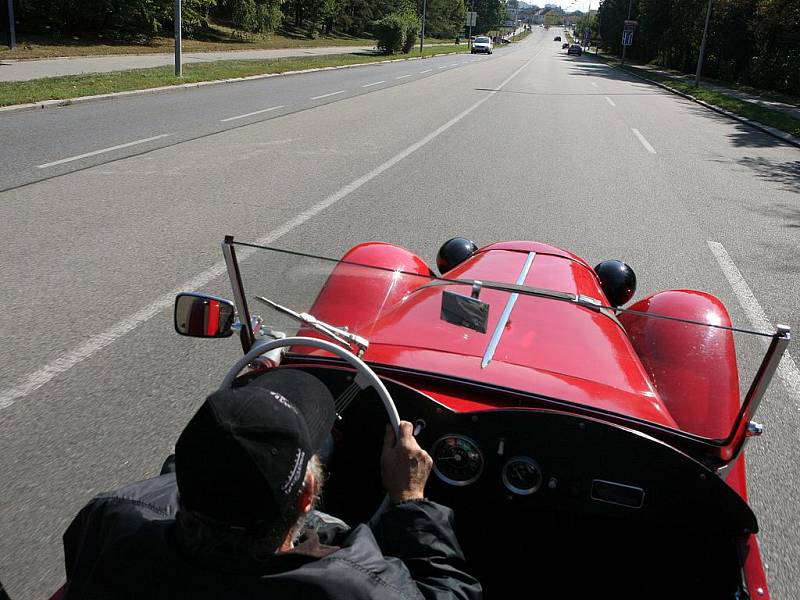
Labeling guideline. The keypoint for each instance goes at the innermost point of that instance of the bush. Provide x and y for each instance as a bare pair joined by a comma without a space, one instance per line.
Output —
396,32
413,27
256,16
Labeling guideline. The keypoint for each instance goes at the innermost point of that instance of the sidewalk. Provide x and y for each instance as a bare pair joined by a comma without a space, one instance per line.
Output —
24,70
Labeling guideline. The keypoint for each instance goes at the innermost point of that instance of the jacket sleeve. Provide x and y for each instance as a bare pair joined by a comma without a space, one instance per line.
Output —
421,534
110,517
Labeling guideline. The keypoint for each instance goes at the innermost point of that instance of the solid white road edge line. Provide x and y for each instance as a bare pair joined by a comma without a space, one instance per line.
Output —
250,114
104,150
645,143
66,361
373,83
328,95
402,76
787,369
610,101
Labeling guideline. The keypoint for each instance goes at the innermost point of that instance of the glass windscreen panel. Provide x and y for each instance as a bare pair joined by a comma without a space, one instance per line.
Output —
685,374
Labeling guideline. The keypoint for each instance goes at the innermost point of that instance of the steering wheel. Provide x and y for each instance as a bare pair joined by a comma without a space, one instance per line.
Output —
365,376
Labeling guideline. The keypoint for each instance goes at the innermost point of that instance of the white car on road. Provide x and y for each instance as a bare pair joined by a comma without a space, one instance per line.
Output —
482,44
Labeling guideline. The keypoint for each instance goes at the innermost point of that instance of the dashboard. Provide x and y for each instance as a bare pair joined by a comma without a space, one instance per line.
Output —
547,501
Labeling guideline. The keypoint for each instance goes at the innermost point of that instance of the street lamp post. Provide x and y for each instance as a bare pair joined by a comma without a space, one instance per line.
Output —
12,37
422,36
472,10
702,47
178,61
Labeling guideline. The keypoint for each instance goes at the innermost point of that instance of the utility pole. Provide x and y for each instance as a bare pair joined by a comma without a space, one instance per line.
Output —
630,3
472,10
178,62
702,47
12,36
422,37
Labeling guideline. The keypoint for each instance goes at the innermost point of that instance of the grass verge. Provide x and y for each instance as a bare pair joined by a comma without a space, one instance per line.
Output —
520,36
742,108
74,86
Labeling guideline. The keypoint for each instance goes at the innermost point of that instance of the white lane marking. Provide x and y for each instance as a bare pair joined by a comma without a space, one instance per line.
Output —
610,101
593,83
104,150
250,114
426,71
66,361
373,83
645,143
787,369
328,95
453,65
402,76
443,67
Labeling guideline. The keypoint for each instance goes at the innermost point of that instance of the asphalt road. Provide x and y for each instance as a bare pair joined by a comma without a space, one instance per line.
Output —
525,144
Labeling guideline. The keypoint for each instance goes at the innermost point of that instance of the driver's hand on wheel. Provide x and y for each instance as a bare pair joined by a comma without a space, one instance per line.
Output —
404,465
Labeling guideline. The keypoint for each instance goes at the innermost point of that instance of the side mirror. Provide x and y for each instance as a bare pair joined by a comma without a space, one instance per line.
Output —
199,315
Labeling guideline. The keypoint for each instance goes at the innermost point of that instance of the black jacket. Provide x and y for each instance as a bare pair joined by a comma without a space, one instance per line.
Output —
126,544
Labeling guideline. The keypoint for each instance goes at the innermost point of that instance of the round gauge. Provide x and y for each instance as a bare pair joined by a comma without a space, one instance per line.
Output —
522,475
457,460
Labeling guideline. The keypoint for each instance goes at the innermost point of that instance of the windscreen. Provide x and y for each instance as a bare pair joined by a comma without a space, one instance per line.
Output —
675,359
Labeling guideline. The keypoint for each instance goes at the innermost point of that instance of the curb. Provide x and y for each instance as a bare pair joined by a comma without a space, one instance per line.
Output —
185,86
776,133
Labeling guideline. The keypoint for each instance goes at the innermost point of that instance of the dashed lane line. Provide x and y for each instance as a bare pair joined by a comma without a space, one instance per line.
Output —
328,95
102,151
644,142
251,114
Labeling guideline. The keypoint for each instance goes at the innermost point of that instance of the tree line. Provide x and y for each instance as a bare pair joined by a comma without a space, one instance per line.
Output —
751,42
148,18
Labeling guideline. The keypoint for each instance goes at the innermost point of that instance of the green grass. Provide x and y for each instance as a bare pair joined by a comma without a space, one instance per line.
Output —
520,36
63,88
755,112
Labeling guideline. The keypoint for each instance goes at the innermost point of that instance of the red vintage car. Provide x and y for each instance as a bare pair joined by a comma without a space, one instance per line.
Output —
586,448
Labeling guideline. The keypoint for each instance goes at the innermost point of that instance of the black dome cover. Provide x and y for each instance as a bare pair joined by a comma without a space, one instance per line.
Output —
453,252
617,280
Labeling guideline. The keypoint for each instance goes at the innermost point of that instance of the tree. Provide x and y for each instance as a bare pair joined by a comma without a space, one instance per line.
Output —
445,18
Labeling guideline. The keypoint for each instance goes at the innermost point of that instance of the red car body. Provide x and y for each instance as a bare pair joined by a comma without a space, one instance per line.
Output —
631,365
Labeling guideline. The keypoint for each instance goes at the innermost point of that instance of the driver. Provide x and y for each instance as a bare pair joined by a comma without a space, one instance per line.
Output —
237,518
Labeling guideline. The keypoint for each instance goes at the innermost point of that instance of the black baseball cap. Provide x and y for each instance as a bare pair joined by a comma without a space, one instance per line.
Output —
242,458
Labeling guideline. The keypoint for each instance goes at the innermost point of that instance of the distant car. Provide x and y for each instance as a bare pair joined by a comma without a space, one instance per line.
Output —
564,46
482,45
557,38
575,49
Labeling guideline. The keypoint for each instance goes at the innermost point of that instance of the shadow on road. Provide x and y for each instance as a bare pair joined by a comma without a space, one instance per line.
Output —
785,173
743,136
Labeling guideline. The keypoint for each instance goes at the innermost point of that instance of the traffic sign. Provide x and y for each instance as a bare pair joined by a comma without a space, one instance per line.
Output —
471,19
627,38
630,25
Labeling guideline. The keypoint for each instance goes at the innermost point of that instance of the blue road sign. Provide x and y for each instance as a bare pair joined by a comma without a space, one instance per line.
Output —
627,38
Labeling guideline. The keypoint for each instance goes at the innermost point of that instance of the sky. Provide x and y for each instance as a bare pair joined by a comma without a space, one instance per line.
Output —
570,5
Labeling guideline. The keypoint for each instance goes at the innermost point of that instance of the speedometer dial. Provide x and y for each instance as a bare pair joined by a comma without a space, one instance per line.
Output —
522,475
457,460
